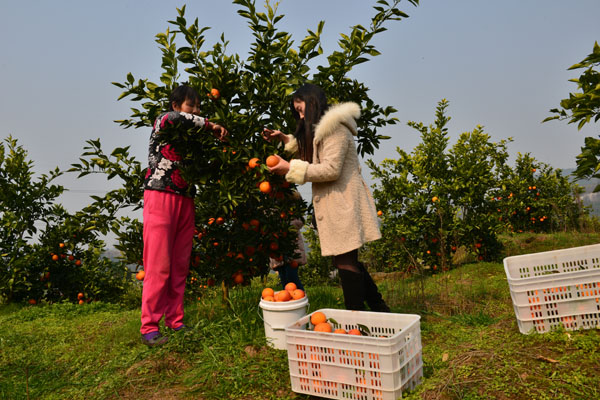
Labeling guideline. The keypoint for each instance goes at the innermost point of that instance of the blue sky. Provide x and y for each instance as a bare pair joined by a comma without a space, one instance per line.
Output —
501,64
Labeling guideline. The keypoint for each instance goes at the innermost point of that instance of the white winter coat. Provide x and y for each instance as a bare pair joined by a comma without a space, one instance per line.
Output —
344,208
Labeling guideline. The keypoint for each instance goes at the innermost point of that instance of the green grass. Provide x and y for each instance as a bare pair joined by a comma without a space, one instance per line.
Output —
472,348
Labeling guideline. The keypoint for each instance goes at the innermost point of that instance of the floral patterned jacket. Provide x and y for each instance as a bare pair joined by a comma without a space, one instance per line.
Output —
163,161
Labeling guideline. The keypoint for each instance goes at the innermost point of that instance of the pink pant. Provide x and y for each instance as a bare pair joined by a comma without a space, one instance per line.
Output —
168,237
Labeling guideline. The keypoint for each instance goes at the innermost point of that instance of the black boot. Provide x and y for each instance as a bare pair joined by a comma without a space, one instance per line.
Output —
372,295
353,287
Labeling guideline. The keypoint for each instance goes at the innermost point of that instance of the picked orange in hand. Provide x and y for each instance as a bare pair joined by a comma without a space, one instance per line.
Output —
272,161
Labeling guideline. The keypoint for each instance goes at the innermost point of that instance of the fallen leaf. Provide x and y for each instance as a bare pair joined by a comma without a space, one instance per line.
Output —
444,357
550,360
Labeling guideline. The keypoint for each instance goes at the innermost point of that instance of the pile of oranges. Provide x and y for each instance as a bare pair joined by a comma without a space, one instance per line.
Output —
320,324
291,292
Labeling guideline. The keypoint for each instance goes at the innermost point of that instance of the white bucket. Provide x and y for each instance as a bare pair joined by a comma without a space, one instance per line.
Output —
277,315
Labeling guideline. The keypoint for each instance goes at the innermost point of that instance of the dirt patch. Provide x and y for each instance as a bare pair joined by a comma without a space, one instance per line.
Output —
168,364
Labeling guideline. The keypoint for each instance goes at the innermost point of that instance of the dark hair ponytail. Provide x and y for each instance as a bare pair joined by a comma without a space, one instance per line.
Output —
315,102
182,93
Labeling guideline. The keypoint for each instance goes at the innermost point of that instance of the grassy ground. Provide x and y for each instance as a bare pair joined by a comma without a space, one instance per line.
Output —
472,348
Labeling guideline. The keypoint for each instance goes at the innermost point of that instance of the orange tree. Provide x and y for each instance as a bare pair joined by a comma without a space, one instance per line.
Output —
242,221
47,253
534,197
435,200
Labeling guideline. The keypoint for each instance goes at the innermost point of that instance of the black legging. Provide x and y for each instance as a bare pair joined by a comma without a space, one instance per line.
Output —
347,261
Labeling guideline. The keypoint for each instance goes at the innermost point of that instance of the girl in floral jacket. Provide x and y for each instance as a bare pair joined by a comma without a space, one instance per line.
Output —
169,219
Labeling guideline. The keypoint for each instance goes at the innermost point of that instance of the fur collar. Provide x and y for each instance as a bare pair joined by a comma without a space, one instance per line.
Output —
342,113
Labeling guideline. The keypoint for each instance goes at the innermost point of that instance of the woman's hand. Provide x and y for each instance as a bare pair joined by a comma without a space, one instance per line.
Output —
219,132
270,134
281,168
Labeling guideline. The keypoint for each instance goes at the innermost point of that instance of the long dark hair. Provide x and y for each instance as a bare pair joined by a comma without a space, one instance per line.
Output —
315,106
182,93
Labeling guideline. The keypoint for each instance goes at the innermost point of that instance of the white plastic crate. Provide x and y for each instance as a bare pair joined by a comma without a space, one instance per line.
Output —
555,288
342,366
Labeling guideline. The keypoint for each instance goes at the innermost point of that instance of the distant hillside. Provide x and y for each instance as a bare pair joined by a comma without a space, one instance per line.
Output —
589,198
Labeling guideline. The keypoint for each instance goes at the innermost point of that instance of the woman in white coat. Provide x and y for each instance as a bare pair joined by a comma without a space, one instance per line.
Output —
345,212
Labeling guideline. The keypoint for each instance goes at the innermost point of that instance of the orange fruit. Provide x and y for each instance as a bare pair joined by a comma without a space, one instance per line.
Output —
79,296
283,295
253,163
254,223
55,257
238,277
267,292
78,262
272,161
317,317
273,246
140,275
297,294
81,302
434,199
269,298
294,264
71,258
290,287
340,330
354,332
61,245
379,213
220,221
265,187
323,327
32,302
214,93
210,221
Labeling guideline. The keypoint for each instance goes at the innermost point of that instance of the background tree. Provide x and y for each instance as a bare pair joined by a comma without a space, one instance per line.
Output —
435,200
47,253
581,108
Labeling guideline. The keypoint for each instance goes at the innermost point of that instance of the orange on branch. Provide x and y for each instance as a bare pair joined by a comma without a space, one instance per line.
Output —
238,277
214,93
141,274
253,163
265,187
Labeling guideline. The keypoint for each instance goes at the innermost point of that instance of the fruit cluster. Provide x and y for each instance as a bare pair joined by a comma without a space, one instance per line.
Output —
291,292
320,324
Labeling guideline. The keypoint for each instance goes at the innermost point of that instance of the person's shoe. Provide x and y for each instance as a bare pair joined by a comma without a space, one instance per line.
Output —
181,328
154,339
